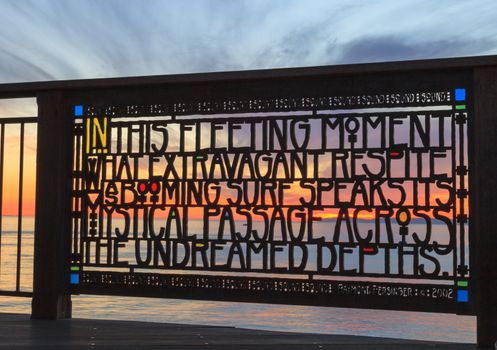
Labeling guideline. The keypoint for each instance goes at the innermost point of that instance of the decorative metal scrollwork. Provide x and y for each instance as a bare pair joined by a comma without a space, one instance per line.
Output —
337,196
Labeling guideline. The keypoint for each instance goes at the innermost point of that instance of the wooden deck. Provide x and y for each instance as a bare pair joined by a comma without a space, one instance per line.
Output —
19,332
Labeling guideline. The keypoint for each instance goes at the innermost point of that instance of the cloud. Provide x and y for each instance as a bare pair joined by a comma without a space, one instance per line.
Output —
14,63
389,48
60,39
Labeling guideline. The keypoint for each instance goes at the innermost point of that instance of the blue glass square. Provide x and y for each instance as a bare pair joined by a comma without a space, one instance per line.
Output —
74,278
462,296
78,111
460,94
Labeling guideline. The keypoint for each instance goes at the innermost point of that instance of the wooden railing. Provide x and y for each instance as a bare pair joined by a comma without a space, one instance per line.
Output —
69,219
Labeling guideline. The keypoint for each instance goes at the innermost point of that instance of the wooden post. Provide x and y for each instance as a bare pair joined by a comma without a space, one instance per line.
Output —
484,209
51,299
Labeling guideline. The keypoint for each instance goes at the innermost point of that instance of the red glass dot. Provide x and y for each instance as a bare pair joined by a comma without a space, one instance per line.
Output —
142,187
153,186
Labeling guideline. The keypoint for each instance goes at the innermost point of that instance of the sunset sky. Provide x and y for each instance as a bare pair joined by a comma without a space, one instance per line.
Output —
60,39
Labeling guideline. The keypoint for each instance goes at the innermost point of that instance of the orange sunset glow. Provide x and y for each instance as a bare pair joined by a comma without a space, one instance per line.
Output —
10,195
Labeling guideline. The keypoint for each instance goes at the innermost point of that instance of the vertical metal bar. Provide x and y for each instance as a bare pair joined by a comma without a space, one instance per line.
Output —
2,143
454,181
83,229
19,210
461,201
76,200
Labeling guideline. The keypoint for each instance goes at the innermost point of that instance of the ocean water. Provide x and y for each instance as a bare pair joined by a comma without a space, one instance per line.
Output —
396,324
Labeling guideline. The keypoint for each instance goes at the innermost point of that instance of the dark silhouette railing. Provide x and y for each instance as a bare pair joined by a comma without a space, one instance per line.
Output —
359,186
10,277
